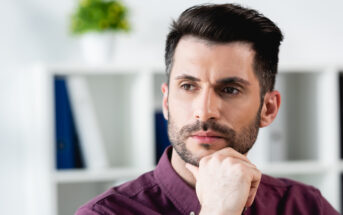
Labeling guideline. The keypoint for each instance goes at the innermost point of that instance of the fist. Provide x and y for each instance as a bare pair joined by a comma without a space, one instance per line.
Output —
226,182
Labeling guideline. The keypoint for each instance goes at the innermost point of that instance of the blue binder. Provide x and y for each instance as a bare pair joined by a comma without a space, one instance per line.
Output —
68,154
161,134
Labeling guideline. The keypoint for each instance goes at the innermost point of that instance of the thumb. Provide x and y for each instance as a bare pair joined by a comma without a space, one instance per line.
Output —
193,169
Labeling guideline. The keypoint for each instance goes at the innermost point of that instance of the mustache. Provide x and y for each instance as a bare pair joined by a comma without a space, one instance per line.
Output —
227,133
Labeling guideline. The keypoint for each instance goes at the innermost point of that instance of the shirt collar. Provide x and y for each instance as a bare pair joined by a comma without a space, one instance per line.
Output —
175,188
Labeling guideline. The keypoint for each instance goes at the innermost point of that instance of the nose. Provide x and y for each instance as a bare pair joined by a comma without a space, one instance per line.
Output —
207,105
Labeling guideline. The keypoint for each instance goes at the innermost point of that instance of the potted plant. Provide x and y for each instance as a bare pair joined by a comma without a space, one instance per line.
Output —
96,21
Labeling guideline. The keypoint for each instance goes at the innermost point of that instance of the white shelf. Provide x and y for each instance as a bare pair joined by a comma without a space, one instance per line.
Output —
109,69
302,145
89,69
106,175
295,168
285,68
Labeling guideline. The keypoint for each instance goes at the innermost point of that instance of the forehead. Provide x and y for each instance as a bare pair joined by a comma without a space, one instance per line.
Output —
201,58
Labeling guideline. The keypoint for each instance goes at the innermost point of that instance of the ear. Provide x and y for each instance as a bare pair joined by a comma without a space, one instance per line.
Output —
164,89
270,108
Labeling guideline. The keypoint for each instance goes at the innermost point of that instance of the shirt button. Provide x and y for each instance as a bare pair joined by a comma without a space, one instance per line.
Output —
192,213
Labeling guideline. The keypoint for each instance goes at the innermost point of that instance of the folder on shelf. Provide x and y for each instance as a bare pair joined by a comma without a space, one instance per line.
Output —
161,134
341,114
87,126
67,145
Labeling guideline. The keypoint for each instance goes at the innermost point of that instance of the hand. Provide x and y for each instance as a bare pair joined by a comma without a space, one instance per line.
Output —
226,182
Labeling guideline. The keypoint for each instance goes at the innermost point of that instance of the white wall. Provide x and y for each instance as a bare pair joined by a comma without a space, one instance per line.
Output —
37,31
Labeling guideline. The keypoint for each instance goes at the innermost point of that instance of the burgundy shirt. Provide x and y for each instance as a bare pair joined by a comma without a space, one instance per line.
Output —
162,191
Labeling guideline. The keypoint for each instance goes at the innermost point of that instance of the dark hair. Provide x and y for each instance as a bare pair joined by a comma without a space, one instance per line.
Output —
224,23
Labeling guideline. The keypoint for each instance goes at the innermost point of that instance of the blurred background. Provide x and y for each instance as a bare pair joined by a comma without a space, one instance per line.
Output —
37,32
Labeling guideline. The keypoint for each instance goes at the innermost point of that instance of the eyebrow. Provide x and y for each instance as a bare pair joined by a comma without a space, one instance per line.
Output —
187,77
228,80
232,80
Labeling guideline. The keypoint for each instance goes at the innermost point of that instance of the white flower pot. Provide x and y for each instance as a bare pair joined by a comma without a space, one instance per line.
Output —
97,48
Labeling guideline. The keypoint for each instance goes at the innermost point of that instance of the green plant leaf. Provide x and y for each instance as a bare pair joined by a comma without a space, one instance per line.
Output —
99,16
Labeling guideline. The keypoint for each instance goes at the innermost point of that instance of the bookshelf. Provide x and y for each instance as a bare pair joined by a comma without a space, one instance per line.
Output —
303,143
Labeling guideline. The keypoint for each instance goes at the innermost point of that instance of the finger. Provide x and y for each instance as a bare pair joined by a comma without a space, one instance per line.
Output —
230,161
254,186
251,197
193,169
230,152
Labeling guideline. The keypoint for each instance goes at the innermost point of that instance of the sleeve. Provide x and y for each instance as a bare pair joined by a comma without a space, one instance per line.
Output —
305,200
326,207
115,204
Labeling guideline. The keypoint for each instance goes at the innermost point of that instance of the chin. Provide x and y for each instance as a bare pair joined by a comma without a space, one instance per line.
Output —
202,150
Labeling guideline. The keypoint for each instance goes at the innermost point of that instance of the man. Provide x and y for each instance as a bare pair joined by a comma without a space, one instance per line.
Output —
221,63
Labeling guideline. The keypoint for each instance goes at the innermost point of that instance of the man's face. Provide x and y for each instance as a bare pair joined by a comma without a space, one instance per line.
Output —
213,99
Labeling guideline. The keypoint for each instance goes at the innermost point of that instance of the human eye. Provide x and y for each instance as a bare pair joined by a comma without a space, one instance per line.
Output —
187,86
230,91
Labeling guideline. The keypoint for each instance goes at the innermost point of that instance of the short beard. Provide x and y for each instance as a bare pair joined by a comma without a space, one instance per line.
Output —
241,142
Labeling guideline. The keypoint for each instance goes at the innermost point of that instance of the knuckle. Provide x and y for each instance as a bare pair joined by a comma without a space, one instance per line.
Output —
229,150
259,173
239,169
204,160
218,157
254,166
229,161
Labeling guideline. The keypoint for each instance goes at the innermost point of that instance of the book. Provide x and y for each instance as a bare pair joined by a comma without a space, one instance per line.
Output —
87,125
341,114
68,153
161,134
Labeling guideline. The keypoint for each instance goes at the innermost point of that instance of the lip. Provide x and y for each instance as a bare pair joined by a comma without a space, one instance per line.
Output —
206,137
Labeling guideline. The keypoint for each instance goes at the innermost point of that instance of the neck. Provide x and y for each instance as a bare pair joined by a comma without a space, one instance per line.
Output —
179,167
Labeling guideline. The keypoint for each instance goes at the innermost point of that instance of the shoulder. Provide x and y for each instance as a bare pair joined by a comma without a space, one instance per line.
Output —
283,183
281,188
118,200
145,182
289,196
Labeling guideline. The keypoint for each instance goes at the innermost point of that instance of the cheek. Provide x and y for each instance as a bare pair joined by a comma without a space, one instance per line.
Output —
180,109
241,113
